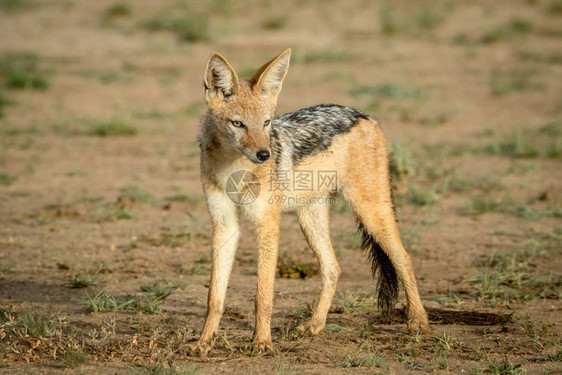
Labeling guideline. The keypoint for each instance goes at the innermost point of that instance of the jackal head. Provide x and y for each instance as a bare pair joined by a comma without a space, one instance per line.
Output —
241,112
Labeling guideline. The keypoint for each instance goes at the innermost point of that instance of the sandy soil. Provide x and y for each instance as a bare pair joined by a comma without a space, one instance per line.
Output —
99,184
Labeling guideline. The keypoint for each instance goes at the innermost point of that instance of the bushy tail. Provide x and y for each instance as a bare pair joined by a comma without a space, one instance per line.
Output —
383,270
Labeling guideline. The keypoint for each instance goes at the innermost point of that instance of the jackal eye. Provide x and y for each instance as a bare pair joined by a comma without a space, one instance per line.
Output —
266,122
237,123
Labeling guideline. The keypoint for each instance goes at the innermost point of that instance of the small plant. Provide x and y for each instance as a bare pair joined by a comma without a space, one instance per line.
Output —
516,27
446,341
147,304
230,347
14,6
442,361
347,302
389,22
482,204
286,369
421,196
159,291
136,194
37,324
79,282
506,82
7,179
503,367
198,270
21,71
367,361
161,369
289,332
113,128
275,22
292,270
555,7
4,101
186,28
401,161
389,91
73,358
516,145
505,276
120,214
85,282
556,357
117,10
322,56
170,238
429,19
105,302
187,198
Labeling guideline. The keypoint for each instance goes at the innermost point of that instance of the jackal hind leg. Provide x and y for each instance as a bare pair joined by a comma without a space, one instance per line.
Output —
315,224
378,219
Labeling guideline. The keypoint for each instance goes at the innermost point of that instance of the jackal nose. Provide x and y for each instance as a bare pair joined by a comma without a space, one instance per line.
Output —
262,155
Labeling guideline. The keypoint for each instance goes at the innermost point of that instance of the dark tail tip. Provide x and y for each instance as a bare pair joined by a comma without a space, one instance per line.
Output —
383,271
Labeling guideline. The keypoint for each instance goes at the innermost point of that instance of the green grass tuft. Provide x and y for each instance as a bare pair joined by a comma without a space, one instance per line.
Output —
400,161
556,357
136,194
503,367
85,282
514,144
148,304
105,302
7,179
20,70
186,198
554,7
508,31
36,324
14,6
368,361
186,28
117,10
275,22
120,214
482,204
421,196
161,369
389,90
4,101
113,128
390,24
73,358
506,82
506,277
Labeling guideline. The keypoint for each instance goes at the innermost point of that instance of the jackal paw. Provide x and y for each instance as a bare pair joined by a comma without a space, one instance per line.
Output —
201,348
260,346
419,324
311,327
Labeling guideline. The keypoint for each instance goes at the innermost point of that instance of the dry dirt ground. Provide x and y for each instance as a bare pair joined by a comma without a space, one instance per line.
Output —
104,234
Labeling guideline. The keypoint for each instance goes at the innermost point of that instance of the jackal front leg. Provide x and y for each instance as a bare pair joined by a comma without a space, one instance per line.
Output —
268,243
224,243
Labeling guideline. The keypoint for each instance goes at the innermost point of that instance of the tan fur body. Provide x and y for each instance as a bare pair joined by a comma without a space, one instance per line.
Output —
357,155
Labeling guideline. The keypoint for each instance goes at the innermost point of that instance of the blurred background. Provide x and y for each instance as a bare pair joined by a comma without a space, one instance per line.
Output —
99,177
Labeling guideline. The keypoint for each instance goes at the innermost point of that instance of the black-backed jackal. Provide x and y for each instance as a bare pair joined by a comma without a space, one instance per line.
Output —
240,133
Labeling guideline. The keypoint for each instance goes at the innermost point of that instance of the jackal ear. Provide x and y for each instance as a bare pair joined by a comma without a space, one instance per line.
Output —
269,78
221,80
